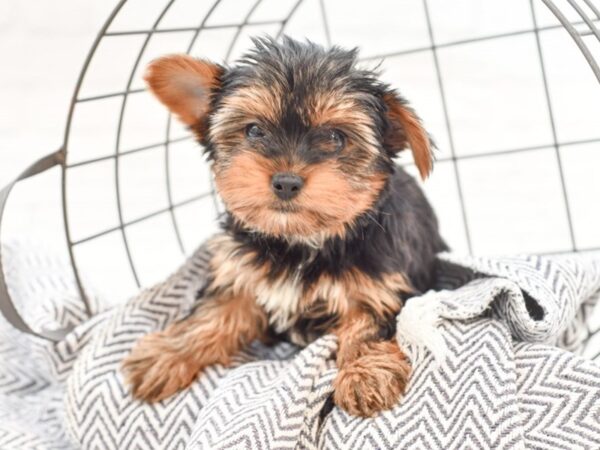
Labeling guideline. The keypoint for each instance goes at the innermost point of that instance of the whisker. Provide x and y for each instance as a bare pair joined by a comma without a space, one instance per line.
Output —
375,220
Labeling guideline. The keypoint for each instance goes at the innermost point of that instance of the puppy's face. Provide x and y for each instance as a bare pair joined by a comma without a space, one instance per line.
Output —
301,139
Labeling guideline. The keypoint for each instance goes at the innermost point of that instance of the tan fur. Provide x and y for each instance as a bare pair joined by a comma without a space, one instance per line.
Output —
162,363
328,202
373,374
234,271
183,84
353,288
407,130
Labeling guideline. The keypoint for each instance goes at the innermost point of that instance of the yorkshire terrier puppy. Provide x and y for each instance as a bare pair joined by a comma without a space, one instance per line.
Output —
323,232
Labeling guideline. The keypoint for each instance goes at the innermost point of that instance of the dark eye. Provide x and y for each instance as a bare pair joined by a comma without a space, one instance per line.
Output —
337,138
253,131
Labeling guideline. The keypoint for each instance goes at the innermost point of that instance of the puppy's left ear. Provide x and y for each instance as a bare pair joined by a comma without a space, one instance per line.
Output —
405,130
185,85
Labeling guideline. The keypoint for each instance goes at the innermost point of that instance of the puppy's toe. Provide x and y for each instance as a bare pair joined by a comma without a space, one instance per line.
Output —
156,371
374,381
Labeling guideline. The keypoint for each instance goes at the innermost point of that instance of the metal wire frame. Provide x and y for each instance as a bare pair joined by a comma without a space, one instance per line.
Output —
453,158
588,23
433,48
119,152
576,35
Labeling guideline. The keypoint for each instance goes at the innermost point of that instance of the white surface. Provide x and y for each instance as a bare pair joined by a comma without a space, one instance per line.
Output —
493,90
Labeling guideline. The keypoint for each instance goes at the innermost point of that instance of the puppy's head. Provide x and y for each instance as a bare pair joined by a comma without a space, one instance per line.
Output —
301,140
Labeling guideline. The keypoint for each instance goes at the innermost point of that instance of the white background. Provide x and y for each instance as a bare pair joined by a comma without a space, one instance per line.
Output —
494,98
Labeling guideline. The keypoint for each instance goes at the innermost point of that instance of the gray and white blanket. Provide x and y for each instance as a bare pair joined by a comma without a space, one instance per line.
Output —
494,349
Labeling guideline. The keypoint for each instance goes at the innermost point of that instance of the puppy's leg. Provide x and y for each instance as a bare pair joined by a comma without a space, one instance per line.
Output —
164,362
372,373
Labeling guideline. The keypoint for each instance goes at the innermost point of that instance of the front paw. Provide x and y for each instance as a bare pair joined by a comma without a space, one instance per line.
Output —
156,370
372,382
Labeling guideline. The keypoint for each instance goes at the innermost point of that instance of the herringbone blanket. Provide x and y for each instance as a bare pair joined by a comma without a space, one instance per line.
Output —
494,351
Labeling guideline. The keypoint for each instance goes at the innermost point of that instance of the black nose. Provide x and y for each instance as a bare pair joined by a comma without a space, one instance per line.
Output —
286,185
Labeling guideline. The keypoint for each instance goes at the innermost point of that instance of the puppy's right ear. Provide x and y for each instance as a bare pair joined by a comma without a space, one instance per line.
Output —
184,85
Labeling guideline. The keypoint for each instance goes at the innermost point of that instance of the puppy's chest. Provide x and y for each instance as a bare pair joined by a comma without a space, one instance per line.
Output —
293,303
238,271
303,311
283,298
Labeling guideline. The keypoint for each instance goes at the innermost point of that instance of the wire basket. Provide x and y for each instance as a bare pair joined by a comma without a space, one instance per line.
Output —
114,125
